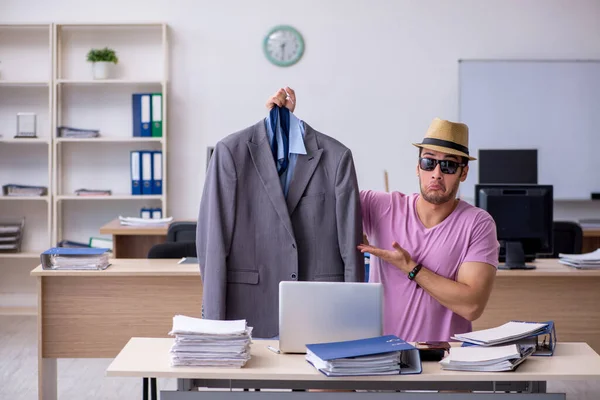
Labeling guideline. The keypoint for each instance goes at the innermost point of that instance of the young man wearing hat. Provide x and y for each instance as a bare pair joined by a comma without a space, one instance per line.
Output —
435,255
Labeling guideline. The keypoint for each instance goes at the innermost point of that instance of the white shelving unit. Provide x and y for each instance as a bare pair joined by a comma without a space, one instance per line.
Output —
25,86
26,53
82,102
44,69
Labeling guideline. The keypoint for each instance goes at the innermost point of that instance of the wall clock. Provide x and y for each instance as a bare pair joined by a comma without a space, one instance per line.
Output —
283,46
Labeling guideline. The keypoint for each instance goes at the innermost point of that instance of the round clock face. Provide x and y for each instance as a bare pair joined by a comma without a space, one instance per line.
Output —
283,46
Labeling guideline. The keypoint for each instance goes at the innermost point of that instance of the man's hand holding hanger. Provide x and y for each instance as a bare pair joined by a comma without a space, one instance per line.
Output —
285,97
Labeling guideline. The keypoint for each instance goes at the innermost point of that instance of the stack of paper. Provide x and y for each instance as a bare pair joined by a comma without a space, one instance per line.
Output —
486,359
67,258
506,333
133,221
581,261
385,355
210,343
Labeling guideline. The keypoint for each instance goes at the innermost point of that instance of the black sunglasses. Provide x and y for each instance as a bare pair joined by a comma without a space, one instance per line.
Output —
447,166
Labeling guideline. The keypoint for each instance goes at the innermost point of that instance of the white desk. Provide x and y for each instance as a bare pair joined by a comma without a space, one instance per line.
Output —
149,357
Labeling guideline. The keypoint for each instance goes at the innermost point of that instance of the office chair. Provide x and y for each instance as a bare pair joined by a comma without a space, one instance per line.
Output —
173,250
182,231
568,238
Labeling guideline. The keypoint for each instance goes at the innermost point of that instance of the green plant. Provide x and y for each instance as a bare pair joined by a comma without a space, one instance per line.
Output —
105,54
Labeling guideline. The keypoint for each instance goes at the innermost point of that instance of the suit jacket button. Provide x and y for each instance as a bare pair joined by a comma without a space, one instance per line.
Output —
293,276
294,245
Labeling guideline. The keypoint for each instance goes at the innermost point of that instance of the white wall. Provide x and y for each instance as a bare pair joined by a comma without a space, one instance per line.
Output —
374,73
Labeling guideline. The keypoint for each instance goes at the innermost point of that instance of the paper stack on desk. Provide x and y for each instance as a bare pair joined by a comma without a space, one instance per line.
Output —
210,343
581,261
133,221
509,332
486,359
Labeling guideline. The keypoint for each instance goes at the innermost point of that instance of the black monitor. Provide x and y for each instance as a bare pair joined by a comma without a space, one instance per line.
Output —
508,166
524,218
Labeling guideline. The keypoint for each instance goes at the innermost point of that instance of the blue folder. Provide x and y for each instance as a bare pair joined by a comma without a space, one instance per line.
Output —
411,360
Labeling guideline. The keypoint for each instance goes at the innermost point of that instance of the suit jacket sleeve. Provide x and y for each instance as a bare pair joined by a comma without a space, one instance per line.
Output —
349,219
215,227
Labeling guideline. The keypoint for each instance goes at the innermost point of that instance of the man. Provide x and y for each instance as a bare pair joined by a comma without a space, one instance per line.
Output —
435,255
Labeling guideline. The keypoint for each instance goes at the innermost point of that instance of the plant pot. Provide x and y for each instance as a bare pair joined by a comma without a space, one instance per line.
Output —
101,69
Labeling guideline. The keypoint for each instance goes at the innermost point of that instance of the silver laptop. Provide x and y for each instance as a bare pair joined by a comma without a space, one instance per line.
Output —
319,312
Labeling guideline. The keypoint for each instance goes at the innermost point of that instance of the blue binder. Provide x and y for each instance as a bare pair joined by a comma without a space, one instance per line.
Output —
146,213
135,166
146,158
411,360
156,213
157,172
141,107
544,340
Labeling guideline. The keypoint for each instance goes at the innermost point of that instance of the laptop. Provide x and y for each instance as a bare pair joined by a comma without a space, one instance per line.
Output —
320,312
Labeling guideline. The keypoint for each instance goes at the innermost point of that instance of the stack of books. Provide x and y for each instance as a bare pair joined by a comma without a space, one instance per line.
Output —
210,343
74,258
581,261
384,355
486,359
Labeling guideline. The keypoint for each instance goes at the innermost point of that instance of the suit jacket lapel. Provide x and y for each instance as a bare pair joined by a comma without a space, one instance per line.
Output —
261,154
305,168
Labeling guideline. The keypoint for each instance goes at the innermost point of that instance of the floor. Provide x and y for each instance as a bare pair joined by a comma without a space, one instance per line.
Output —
85,378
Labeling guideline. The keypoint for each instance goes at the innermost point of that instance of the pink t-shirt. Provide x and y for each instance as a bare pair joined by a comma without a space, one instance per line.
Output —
467,234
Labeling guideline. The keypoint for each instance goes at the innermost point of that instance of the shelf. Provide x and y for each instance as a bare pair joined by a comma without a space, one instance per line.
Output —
21,198
25,83
113,197
25,140
22,255
112,24
110,139
106,82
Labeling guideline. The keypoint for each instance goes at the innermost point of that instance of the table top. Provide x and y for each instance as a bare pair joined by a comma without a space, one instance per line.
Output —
130,267
142,357
169,267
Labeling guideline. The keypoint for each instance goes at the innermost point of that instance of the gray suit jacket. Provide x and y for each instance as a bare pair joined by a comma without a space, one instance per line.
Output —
250,237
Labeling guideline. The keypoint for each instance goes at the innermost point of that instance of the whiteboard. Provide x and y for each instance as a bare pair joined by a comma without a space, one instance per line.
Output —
552,106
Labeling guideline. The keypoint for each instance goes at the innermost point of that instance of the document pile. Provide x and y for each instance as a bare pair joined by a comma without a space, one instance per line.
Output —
539,335
486,359
385,355
509,332
71,258
210,343
133,221
581,261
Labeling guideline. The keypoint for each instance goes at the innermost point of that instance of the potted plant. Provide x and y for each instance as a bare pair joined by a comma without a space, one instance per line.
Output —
101,60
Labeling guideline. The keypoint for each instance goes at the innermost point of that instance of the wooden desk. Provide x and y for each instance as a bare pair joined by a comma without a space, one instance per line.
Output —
553,291
134,241
591,240
93,314
143,357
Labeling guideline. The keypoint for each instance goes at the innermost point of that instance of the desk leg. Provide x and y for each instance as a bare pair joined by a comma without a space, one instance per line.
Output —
47,376
47,379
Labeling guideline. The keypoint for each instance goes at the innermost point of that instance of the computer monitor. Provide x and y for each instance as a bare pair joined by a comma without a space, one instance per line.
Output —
523,216
501,166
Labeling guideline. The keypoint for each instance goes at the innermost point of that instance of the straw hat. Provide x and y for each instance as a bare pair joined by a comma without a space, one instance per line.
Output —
447,137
